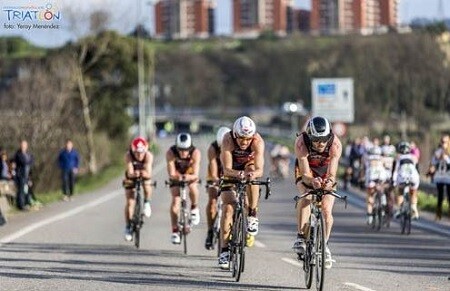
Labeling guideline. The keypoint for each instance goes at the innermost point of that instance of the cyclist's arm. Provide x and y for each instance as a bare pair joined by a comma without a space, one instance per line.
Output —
196,157
129,173
171,169
212,164
258,148
147,172
335,155
227,158
301,153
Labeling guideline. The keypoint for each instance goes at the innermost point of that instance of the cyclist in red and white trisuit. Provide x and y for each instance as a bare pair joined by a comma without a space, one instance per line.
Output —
318,151
139,161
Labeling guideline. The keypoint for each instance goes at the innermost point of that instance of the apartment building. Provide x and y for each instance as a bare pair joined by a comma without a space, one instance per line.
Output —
180,19
353,16
251,17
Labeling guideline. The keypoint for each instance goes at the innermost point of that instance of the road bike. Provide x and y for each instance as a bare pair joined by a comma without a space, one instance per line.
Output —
405,209
314,255
238,238
380,209
216,223
184,215
137,220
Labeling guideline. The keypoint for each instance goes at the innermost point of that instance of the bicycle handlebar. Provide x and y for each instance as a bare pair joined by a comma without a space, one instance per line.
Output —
245,181
141,181
181,183
320,193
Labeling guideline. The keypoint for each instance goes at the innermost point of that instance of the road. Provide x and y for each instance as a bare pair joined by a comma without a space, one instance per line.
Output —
79,245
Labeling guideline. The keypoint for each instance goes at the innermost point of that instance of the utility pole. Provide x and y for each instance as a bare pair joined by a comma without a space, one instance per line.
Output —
141,92
441,12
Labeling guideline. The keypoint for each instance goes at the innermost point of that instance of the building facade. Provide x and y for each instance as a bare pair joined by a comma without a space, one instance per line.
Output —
251,17
353,16
180,19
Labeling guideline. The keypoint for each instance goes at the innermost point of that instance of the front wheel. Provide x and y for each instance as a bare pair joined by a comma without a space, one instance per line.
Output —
320,254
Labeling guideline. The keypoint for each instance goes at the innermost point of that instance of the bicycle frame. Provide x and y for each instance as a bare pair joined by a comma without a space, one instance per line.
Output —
184,220
138,217
239,227
314,256
405,209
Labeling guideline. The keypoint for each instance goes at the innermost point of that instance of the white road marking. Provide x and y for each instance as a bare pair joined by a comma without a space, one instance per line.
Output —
58,217
357,287
292,262
259,244
12,237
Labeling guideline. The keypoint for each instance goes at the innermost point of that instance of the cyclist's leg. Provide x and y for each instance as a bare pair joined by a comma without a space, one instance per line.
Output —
228,201
193,195
211,206
327,212
174,207
129,210
303,214
414,197
370,197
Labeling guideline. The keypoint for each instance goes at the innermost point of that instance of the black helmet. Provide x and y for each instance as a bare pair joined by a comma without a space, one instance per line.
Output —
318,129
404,147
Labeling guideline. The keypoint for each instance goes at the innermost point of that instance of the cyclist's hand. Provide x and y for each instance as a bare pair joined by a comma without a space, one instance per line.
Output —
328,184
317,183
137,173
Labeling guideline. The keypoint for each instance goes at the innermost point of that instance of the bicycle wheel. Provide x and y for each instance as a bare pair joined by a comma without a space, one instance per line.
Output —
307,256
240,251
137,216
320,253
408,218
184,227
235,240
377,212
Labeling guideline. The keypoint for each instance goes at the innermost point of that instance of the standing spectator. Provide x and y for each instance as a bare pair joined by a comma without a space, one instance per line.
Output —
68,160
440,169
23,162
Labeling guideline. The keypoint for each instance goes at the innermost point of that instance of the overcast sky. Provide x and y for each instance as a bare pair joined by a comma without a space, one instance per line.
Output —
125,15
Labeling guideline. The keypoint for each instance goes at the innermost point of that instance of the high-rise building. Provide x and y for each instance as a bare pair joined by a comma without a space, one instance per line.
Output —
177,19
344,16
251,17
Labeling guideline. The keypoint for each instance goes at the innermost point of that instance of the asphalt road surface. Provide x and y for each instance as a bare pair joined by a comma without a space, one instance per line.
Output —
79,245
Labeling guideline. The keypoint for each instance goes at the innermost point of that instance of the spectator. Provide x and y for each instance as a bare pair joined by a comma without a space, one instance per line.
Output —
415,151
68,160
4,166
440,169
23,162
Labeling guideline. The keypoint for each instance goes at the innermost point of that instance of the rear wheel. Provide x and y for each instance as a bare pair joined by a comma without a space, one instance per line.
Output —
320,254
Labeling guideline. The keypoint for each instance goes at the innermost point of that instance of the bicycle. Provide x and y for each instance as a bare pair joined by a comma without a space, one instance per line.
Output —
137,220
216,222
314,256
380,209
237,242
405,209
184,216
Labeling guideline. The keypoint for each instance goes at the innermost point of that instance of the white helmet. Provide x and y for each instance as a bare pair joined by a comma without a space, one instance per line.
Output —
183,141
318,129
220,134
244,127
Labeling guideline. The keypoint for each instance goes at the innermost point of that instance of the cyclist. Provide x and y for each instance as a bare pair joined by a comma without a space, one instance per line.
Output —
183,163
242,156
139,161
280,157
405,170
374,171
317,151
215,171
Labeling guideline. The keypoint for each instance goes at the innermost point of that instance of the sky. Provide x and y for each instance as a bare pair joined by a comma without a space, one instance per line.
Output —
58,21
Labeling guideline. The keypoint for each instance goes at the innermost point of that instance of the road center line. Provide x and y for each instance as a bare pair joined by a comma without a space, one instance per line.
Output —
292,262
357,287
72,212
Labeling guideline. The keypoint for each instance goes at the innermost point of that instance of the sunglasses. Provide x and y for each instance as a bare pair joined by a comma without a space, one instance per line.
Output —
245,138
322,139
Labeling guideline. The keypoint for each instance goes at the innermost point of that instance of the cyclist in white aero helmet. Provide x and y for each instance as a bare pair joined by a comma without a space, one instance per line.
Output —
242,155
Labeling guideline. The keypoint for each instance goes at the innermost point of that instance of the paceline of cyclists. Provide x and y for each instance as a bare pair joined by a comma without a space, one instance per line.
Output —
238,153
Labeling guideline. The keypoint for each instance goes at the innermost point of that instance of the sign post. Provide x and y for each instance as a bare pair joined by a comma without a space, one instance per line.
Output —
333,99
